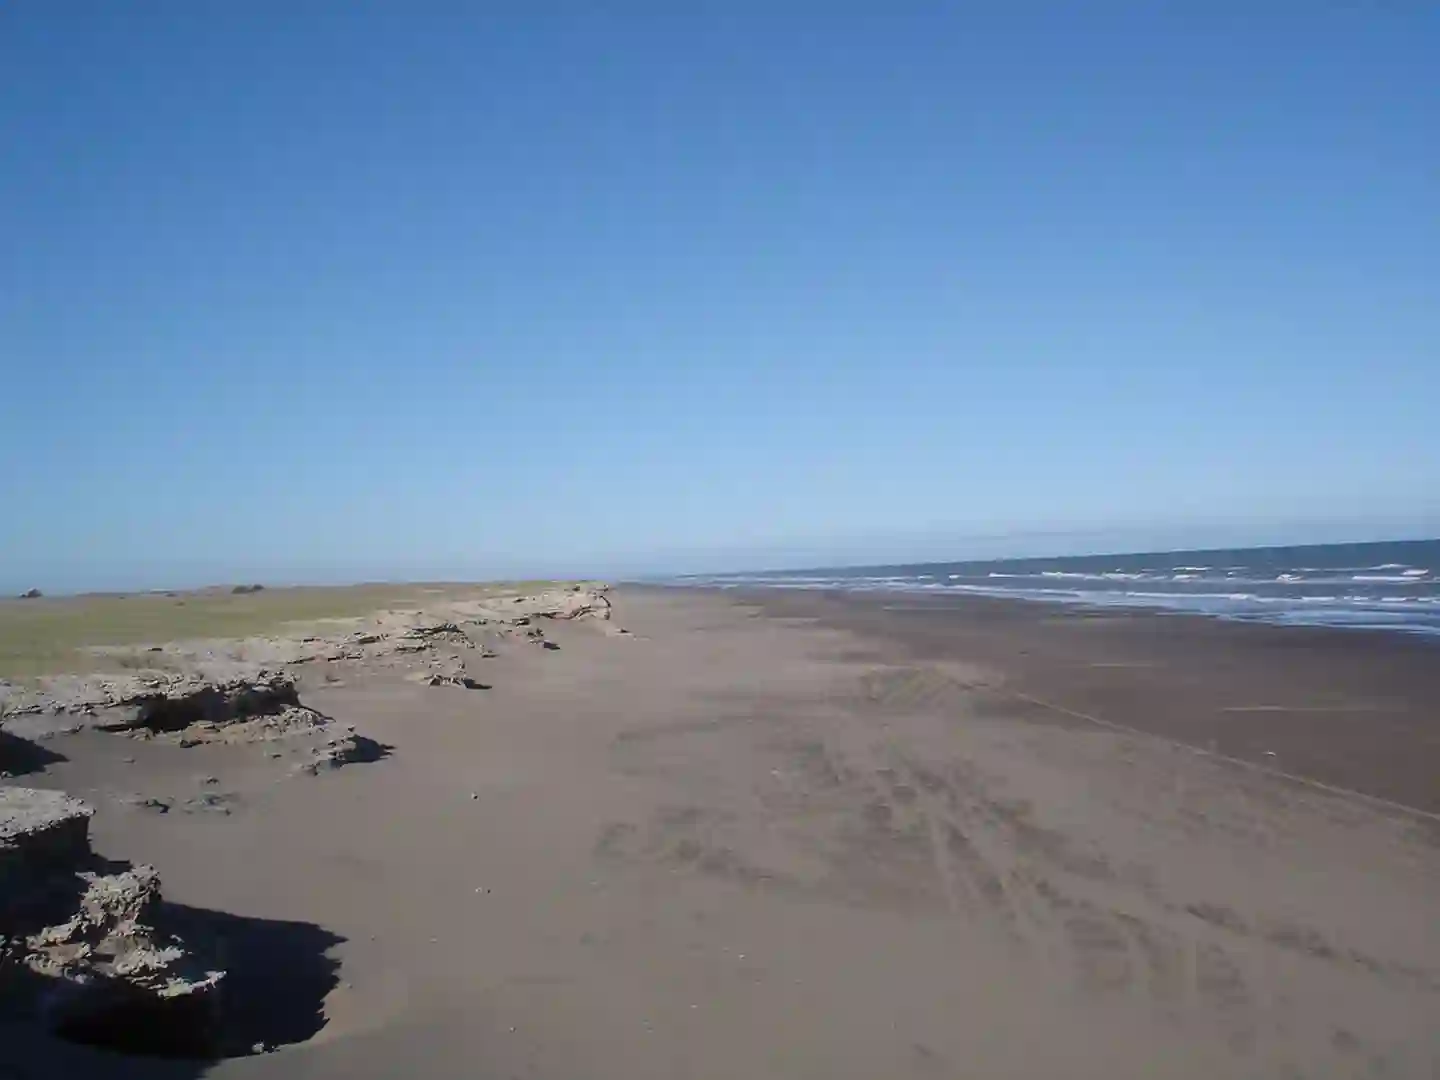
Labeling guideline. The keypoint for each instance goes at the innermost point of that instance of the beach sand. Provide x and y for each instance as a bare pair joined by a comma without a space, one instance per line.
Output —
796,835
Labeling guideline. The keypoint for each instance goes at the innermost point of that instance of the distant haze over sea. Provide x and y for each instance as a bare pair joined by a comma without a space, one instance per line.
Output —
1381,586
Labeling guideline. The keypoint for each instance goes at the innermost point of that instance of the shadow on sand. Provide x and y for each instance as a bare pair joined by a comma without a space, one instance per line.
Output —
368,750
19,757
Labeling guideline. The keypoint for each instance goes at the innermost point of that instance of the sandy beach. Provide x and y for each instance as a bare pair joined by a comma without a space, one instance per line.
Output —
800,835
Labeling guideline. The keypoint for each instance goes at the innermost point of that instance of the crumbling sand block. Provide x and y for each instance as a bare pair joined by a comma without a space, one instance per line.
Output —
199,702
41,830
81,950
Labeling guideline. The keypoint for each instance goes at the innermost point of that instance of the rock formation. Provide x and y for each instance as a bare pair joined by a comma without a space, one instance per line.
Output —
82,949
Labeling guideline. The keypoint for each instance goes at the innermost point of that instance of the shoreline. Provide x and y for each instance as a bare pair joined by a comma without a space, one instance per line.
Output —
1086,607
1388,585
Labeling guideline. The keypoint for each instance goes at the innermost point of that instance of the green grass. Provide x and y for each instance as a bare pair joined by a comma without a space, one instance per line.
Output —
50,635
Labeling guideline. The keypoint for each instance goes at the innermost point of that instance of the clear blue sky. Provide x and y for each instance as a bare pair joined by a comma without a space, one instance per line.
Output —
365,292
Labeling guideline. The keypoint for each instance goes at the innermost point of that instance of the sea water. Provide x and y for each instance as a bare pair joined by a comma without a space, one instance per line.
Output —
1380,586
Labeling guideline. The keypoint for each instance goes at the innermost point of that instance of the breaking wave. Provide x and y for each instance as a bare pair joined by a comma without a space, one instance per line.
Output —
1314,586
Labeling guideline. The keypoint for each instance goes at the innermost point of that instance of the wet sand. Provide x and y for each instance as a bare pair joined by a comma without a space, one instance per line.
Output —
800,836
1356,709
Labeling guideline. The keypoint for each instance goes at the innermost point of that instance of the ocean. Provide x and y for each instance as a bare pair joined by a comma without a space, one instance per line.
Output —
1379,586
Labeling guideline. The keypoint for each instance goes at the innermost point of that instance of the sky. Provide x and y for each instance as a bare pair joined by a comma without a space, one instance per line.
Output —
327,292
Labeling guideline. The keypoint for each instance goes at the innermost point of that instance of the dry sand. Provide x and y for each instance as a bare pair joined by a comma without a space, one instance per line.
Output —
828,841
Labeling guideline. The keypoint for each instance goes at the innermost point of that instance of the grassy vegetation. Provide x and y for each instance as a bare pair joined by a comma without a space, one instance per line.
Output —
50,635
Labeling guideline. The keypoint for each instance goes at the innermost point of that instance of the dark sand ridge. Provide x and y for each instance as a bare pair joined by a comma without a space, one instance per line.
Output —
831,843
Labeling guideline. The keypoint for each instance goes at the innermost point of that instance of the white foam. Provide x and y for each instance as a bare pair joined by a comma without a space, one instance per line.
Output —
1392,594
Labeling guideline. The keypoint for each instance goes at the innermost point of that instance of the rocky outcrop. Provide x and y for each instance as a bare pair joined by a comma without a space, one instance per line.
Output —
170,682
190,711
243,690
82,946
39,830
449,677
192,702
579,604
154,700
426,631
345,747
